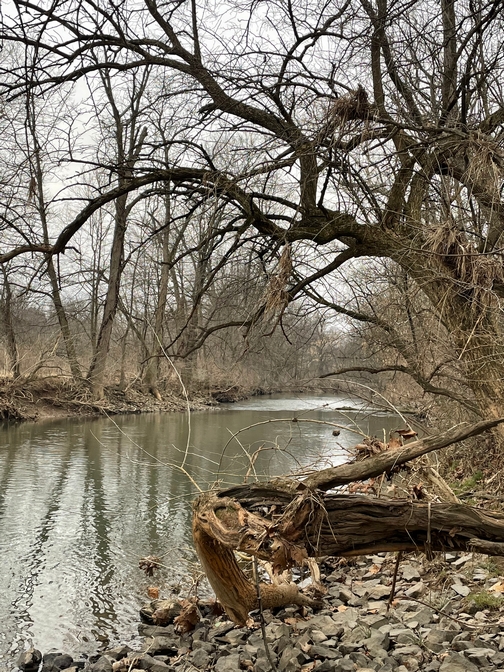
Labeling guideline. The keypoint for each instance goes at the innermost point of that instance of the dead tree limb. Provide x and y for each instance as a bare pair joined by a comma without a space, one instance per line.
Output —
286,521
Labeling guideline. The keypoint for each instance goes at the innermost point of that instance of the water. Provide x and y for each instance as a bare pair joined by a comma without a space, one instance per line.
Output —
82,501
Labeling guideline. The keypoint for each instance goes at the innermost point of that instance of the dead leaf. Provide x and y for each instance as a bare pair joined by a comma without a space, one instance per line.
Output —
498,587
188,618
153,592
342,607
149,563
407,433
374,569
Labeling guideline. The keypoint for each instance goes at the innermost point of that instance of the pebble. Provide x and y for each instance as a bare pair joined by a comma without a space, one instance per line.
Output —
353,632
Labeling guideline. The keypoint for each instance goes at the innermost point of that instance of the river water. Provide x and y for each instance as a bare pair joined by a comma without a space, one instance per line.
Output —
81,501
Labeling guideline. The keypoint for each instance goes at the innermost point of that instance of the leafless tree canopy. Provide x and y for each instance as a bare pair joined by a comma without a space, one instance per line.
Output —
337,131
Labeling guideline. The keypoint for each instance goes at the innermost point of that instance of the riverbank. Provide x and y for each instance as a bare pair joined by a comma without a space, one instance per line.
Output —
52,398
446,615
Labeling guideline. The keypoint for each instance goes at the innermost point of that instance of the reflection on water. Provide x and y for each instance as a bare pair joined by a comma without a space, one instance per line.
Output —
82,501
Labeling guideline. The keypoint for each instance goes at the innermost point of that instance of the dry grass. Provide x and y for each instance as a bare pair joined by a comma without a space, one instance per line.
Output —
474,271
277,298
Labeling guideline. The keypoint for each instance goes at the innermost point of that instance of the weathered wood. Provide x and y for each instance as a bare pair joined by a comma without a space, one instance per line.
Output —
326,479
286,521
237,594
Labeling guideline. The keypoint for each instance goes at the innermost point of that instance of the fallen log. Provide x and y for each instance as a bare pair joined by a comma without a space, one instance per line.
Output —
286,521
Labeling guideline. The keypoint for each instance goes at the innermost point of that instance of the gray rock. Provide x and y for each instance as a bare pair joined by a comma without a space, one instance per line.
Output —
409,572
317,636
439,636
206,646
479,657
262,664
349,647
423,616
359,659
229,663
461,561
144,661
282,643
103,664
407,637
145,630
291,659
29,661
324,623
200,658
407,651
460,589
55,662
235,637
379,592
345,595
163,645
320,651
416,589
118,652
344,665
457,663
462,645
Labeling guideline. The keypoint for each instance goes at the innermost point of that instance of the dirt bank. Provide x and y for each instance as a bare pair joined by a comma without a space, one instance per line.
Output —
46,398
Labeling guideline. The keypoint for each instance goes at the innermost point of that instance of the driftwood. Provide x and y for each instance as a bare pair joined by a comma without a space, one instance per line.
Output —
286,521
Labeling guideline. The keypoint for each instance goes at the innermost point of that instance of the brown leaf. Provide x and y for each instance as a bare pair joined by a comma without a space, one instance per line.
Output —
406,433
188,618
149,563
153,592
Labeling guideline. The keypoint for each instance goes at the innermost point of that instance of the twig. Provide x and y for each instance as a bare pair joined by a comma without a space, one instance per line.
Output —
394,580
440,611
261,618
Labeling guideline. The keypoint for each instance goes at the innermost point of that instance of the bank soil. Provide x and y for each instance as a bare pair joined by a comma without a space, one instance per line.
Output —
444,616
42,399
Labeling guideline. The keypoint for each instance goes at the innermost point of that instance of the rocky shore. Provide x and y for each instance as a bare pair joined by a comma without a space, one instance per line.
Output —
445,616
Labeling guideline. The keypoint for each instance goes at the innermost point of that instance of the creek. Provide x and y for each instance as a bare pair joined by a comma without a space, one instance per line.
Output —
81,501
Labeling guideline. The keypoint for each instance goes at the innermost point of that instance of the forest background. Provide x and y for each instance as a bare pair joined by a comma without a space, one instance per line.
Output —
251,196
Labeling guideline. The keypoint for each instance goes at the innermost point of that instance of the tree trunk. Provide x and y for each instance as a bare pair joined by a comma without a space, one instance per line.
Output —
8,325
286,521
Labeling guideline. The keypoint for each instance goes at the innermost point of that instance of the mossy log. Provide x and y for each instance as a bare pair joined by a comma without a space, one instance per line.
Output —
286,521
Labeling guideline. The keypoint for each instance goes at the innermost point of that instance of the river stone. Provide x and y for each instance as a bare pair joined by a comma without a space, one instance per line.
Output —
317,637
423,616
200,658
344,665
416,589
118,652
460,589
457,663
321,651
409,572
55,662
146,662
103,664
379,592
29,661
324,623
229,663
163,645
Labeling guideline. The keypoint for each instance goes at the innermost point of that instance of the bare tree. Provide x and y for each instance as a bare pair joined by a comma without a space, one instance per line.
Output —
357,130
